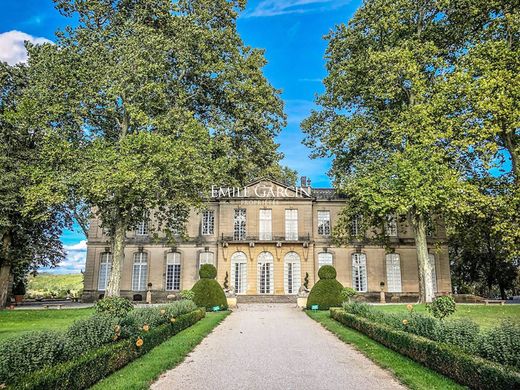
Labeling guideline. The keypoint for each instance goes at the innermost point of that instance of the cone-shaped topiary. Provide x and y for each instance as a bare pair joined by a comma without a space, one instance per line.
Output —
207,290
326,292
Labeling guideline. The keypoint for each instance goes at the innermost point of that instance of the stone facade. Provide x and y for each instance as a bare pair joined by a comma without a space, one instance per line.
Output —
275,249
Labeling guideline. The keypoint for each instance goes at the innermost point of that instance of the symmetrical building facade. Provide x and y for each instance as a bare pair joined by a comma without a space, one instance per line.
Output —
266,239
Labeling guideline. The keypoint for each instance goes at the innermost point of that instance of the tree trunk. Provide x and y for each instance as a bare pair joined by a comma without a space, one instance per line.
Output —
5,270
426,294
503,294
114,285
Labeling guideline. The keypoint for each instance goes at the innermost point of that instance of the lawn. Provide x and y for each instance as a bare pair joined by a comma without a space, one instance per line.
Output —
409,372
13,322
142,372
486,316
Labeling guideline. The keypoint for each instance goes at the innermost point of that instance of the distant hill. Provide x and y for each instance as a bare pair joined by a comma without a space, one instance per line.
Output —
47,285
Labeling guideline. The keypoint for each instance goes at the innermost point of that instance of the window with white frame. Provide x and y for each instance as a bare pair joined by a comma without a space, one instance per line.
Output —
208,222
292,273
393,272
291,224
239,272
391,225
173,271
265,226
324,258
140,271
359,272
265,279
105,267
206,258
324,223
239,224
355,227
431,257
142,227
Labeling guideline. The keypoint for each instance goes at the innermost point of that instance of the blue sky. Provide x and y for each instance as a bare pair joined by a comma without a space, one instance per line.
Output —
291,32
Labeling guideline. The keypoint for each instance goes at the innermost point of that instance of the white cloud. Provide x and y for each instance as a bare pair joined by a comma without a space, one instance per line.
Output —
282,7
12,49
74,262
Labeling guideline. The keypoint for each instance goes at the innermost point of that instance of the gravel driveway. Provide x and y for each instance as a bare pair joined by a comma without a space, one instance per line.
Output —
274,346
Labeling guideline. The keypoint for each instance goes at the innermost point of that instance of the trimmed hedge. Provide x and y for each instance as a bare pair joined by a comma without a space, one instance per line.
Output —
327,292
449,360
207,291
91,367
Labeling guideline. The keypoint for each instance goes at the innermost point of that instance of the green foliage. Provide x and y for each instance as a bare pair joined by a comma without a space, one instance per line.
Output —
19,287
178,308
187,294
501,344
327,272
114,306
209,293
226,281
306,280
347,293
208,271
461,332
45,285
150,316
442,307
30,352
326,292
466,369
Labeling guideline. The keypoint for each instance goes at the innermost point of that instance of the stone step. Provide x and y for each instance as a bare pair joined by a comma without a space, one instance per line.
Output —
266,298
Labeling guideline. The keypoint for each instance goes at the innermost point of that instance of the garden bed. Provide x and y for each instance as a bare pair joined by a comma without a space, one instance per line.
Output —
444,358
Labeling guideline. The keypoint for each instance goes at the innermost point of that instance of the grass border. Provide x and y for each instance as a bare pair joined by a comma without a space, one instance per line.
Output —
142,372
407,371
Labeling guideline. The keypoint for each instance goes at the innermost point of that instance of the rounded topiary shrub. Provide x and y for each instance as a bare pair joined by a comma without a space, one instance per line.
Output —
207,291
326,293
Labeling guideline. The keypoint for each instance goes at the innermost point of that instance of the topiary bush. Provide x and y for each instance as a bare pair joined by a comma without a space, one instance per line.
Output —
326,293
442,307
207,291
114,306
30,352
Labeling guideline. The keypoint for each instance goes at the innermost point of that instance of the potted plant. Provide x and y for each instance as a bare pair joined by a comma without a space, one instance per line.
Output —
19,290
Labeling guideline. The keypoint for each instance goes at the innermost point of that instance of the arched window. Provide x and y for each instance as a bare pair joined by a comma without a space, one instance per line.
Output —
324,258
105,266
140,271
431,257
173,271
239,272
265,282
206,258
393,272
359,272
291,273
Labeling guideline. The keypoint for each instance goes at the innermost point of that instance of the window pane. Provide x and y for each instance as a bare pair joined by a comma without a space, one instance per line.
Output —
393,272
265,280
265,227
324,223
324,258
239,272
356,226
239,224
173,271
206,258
140,271
105,266
292,273
391,225
291,224
208,222
359,272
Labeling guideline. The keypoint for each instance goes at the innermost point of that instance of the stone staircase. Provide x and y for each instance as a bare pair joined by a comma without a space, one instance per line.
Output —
266,299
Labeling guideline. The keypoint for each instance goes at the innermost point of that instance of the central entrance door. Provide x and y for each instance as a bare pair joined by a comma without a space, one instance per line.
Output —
265,279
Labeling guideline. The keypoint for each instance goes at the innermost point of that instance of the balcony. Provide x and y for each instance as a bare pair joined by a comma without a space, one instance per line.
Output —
267,238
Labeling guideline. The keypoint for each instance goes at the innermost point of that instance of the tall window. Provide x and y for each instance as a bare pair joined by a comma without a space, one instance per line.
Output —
355,228
359,272
105,266
292,274
265,280
324,258
393,272
291,224
431,257
324,223
142,227
173,271
265,228
206,258
208,222
391,225
140,271
239,272
239,231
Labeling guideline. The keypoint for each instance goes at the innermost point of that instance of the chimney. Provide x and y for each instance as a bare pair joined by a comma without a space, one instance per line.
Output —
303,182
309,183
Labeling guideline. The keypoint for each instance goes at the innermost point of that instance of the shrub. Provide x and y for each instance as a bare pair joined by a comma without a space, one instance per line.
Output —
207,291
114,306
150,316
442,307
187,294
30,352
207,271
347,293
461,332
501,344
91,332
326,292
306,280
178,308
423,325
19,287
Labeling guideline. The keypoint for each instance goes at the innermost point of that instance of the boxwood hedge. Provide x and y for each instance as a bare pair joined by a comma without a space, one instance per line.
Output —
91,367
449,360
